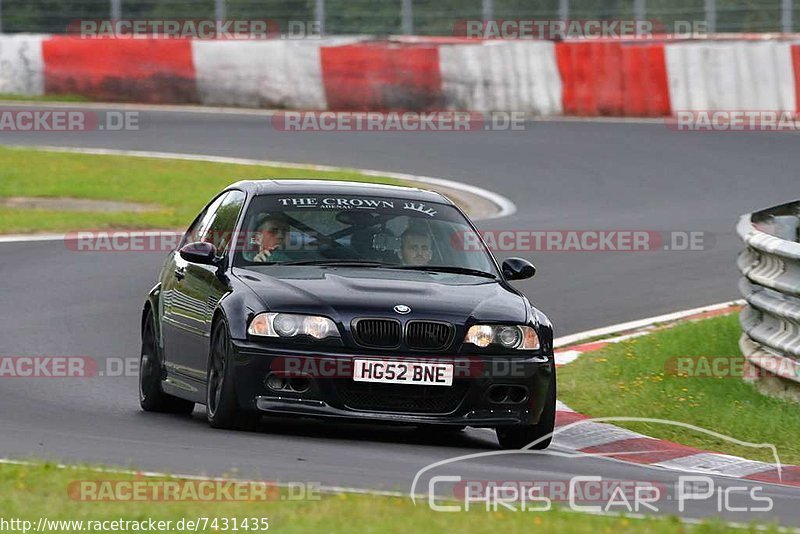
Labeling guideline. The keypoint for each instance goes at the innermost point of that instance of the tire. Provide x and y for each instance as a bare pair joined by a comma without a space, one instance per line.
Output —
151,397
517,437
222,410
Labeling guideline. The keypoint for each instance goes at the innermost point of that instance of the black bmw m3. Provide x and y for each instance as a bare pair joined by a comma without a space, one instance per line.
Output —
346,300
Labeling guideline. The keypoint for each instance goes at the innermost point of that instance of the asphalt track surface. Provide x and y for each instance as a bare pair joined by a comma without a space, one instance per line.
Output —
561,175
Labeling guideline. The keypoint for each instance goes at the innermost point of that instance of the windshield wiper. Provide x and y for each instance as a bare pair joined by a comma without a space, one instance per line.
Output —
370,263
445,269
336,263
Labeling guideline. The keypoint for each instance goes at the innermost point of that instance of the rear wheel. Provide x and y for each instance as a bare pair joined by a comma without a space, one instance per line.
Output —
516,437
222,410
151,397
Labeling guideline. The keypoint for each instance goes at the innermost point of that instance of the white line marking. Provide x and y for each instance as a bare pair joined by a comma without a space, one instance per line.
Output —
359,491
626,337
505,206
24,238
567,356
31,238
561,407
641,323
715,463
591,434
153,474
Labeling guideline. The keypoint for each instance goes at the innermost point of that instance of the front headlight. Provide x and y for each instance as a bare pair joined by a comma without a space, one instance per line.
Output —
509,337
288,325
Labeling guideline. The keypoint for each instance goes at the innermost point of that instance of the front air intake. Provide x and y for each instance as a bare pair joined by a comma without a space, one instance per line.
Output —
428,335
377,333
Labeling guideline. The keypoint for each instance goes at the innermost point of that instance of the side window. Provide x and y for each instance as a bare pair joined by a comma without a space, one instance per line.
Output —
198,227
219,231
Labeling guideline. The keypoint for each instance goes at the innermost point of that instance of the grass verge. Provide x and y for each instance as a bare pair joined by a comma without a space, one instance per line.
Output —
641,378
180,188
43,98
31,492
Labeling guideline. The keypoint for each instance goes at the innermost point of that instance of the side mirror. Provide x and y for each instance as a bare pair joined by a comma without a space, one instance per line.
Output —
199,252
518,269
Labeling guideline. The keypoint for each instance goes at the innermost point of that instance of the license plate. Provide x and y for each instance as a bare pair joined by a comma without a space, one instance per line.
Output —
389,372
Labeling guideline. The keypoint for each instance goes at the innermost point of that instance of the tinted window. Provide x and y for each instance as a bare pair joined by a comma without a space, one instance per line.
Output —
201,223
219,230
294,228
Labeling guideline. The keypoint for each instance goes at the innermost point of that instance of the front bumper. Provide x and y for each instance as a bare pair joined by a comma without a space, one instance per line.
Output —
472,400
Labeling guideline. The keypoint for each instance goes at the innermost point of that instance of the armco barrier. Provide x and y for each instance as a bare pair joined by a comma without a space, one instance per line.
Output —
382,75
590,78
271,74
613,78
21,64
500,76
796,72
283,74
136,70
770,265
731,75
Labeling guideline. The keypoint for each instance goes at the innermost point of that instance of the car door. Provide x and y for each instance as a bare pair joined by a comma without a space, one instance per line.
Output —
199,288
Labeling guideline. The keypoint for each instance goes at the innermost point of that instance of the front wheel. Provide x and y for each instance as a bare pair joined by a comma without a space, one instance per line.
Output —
151,397
517,437
222,410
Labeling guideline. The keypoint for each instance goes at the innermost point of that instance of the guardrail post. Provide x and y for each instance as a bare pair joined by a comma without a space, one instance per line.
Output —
319,15
116,9
487,9
407,17
219,10
786,16
640,9
711,15
563,9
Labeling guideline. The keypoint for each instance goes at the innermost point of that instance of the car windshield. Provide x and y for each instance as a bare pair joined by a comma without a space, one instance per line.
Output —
360,230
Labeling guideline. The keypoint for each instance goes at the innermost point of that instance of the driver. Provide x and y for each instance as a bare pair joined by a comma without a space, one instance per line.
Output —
269,236
416,247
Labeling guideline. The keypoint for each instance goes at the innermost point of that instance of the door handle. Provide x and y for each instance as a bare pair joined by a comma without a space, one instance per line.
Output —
180,273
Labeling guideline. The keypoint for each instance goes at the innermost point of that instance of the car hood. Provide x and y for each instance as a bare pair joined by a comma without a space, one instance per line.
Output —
347,292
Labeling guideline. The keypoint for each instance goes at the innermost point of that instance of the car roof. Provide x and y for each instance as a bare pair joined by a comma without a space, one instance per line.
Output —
337,187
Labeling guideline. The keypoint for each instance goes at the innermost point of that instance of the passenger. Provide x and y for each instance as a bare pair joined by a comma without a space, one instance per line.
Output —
416,247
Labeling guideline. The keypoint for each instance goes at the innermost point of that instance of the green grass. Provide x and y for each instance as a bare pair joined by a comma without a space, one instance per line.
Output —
180,188
43,98
637,378
33,491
